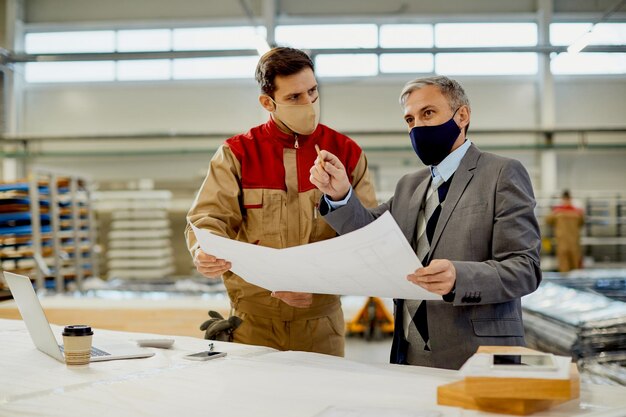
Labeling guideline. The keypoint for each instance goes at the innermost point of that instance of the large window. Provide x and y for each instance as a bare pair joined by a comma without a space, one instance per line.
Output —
145,69
348,65
70,42
589,63
217,38
144,40
486,64
485,34
601,34
328,36
70,71
565,34
406,63
406,36
203,68
394,37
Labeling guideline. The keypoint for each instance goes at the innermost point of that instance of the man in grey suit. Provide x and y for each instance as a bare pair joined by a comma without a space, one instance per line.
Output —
469,217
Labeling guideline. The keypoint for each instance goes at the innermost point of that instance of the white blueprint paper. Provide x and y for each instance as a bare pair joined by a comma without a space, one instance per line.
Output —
371,261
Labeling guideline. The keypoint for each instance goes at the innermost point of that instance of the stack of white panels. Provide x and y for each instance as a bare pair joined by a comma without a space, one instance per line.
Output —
139,240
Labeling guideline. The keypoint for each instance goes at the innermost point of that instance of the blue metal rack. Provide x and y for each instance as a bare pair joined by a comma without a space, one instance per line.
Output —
46,228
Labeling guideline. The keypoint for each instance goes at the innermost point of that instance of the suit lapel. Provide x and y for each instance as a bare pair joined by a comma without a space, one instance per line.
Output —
413,211
462,177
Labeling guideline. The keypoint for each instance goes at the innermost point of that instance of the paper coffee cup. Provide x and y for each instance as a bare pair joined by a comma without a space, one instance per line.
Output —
77,345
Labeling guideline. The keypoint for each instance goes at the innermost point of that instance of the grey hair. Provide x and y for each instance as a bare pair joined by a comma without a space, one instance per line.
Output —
451,89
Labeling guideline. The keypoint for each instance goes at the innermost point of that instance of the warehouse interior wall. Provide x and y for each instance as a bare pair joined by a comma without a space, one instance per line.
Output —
230,107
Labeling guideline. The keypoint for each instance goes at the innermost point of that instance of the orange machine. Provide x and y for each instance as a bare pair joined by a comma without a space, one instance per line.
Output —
373,320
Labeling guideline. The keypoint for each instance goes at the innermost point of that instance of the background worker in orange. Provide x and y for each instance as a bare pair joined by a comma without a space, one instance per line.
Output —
566,221
257,190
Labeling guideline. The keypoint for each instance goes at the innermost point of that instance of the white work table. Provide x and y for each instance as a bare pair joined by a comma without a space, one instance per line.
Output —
250,381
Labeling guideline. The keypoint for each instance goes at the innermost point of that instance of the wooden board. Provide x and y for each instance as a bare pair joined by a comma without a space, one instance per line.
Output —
455,395
525,388
516,396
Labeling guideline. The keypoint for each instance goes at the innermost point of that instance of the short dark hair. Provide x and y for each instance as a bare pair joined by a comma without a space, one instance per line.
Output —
566,194
280,61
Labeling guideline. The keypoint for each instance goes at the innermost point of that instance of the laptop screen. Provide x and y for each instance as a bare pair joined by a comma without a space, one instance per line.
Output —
33,314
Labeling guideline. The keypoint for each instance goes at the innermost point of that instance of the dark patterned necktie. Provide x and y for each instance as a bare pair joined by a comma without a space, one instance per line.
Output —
435,198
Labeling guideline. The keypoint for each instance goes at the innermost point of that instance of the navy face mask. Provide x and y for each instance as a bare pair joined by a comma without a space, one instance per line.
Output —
433,143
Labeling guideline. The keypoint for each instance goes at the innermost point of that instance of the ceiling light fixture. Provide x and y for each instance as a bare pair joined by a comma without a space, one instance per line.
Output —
583,41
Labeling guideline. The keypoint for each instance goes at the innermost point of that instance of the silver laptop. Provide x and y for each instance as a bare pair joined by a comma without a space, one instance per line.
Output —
41,333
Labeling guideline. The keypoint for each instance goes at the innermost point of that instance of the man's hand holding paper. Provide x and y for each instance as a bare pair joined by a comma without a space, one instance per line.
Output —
438,277
209,265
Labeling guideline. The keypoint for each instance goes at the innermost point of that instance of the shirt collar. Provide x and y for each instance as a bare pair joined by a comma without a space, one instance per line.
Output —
287,139
449,165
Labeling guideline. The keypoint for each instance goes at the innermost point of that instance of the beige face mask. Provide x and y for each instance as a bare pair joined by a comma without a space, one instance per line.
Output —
300,118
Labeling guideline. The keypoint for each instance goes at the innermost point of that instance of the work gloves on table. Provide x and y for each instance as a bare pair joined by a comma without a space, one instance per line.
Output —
219,328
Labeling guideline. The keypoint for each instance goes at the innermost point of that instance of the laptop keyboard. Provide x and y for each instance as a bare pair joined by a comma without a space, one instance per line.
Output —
94,352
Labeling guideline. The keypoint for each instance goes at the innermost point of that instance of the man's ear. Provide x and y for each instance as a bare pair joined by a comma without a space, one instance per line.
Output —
267,103
463,116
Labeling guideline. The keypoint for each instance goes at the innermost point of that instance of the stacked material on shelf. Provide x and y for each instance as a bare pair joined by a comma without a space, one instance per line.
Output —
605,373
575,321
590,327
45,227
608,282
139,244
17,250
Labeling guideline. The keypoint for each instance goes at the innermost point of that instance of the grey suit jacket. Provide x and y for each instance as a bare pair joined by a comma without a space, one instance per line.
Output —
488,229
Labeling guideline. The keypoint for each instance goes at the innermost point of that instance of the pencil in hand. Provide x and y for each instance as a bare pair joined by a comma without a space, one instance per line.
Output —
317,148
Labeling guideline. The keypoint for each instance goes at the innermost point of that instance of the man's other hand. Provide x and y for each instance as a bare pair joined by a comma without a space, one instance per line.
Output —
295,299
